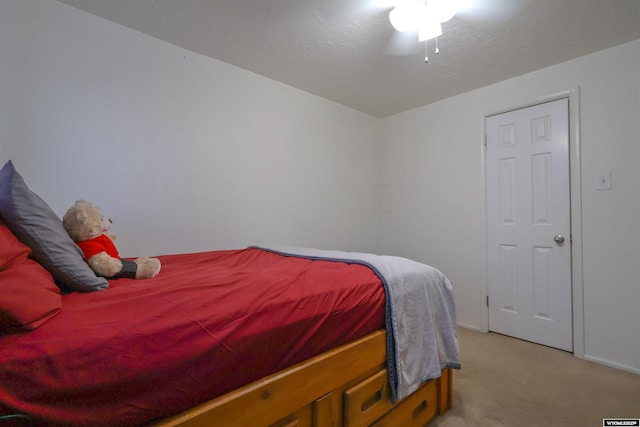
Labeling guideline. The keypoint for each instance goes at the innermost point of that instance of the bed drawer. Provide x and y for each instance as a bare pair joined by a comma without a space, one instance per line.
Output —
367,401
415,410
300,418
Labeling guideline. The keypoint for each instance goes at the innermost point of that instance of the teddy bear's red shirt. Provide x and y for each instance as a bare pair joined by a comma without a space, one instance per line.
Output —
99,244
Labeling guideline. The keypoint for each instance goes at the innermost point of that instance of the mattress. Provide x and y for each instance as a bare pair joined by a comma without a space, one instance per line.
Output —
211,322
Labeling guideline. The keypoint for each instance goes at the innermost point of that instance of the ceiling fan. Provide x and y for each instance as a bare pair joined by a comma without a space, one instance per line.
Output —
416,22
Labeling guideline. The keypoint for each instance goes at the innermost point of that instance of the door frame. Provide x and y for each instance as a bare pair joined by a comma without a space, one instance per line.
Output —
575,182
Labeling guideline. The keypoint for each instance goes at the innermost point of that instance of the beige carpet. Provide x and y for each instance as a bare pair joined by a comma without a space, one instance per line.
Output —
509,382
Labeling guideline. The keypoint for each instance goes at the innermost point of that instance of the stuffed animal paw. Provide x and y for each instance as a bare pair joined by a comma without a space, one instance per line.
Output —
89,228
147,267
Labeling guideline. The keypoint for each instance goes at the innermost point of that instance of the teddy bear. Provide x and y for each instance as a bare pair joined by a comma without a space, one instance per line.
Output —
89,228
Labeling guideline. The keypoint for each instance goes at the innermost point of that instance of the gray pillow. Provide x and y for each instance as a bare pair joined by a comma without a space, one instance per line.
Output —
35,224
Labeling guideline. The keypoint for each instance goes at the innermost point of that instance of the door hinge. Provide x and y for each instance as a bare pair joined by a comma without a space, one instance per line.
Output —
487,300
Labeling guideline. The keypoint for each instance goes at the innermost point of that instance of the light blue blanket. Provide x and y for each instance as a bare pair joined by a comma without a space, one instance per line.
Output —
420,315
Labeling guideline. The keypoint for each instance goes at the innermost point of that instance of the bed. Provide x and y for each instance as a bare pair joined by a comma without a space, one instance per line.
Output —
245,337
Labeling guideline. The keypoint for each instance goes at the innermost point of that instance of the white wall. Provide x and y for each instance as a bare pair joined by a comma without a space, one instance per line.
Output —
183,152
432,191
186,153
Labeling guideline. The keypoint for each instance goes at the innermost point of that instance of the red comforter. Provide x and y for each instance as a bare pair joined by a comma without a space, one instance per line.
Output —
209,323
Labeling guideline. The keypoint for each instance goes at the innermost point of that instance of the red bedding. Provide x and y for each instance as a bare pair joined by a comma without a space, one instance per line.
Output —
209,323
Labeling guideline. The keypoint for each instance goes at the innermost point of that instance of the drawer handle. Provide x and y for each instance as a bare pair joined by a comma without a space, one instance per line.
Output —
371,400
420,408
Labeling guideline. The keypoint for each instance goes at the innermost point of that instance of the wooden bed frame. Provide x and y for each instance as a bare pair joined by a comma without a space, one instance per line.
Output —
344,387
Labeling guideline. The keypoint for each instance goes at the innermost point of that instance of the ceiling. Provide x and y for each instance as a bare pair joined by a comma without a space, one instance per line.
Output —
346,50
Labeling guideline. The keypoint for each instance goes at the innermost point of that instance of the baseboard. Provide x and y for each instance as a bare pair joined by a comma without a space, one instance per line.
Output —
612,364
472,327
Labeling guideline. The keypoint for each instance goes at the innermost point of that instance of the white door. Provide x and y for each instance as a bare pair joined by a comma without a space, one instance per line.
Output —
528,213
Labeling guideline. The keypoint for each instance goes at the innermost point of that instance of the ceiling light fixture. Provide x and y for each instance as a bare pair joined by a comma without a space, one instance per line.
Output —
425,17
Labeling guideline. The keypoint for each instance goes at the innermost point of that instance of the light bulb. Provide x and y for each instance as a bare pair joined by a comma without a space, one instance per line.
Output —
403,18
428,24
429,30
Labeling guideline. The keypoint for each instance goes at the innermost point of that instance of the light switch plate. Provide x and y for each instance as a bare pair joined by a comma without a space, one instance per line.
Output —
604,182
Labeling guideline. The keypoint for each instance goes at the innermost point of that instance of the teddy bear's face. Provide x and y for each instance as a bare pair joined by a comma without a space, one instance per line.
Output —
84,221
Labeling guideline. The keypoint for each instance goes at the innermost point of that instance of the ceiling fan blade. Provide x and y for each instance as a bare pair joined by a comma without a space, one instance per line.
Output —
482,12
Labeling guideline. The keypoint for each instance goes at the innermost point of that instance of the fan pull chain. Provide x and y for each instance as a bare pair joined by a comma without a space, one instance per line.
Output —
426,52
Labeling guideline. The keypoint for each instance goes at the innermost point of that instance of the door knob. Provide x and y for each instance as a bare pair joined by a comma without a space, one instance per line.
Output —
559,239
